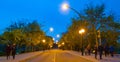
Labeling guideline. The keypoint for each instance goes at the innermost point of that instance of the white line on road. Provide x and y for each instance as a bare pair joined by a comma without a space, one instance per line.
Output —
54,58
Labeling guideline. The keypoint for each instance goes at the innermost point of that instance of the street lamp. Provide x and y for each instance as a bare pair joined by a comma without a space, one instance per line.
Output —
43,41
57,35
53,39
81,32
59,45
43,44
63,43
65,6
51,29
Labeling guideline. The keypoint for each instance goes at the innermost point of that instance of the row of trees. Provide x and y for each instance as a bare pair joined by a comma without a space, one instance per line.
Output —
26,36
93,19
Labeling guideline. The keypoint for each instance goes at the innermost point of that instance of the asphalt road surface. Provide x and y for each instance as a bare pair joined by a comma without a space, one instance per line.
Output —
57,56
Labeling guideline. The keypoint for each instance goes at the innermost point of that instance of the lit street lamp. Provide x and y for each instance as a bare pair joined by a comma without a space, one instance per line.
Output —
66,6
53,39
51,29
81,32
63,43
43,44
59,45
43,41
57,35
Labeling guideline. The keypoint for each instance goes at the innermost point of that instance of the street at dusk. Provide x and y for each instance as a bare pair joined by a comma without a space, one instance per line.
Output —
57,56
59,31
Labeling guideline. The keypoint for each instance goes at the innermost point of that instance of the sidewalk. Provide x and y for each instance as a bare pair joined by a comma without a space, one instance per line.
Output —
20,57
91,58
116,57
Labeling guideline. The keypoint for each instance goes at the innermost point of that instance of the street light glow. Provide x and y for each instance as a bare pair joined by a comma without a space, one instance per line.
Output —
58,35
51,29
51,46
81,31
63,43
59,45
54,39
56,42
65,6
43,41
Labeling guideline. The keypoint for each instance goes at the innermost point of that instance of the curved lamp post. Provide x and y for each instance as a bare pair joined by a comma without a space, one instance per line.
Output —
65,6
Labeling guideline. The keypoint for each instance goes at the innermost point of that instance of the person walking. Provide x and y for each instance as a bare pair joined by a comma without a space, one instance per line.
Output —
86,51
106,49
112,51
8,51
89,49
13,50
100,49
95,51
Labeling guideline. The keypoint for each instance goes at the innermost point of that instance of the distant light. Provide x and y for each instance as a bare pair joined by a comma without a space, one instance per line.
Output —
56,42
43,41
59,45
58,35
51,29
54,39
51,46
63,43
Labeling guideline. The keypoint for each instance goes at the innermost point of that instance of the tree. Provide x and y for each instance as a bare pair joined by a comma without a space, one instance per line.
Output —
93,20
27,35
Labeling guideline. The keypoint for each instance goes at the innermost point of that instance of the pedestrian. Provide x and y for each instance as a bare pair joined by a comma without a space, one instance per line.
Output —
95,51
100,49
13,50
86,51
8,51
89,50
106,49
112,51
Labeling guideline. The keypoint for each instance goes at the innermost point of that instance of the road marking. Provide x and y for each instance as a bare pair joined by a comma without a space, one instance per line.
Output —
54,59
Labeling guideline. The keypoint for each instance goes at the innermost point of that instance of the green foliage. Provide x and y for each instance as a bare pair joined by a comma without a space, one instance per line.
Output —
27,35
93,20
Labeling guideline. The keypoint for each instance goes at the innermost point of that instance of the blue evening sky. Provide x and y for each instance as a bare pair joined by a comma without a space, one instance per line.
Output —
47,12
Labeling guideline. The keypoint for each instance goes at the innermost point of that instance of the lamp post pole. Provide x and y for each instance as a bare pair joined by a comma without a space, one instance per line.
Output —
82,45
65,6
75,11
81,32
99,36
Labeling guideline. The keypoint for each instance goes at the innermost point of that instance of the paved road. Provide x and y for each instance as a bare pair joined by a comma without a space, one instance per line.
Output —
57,56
